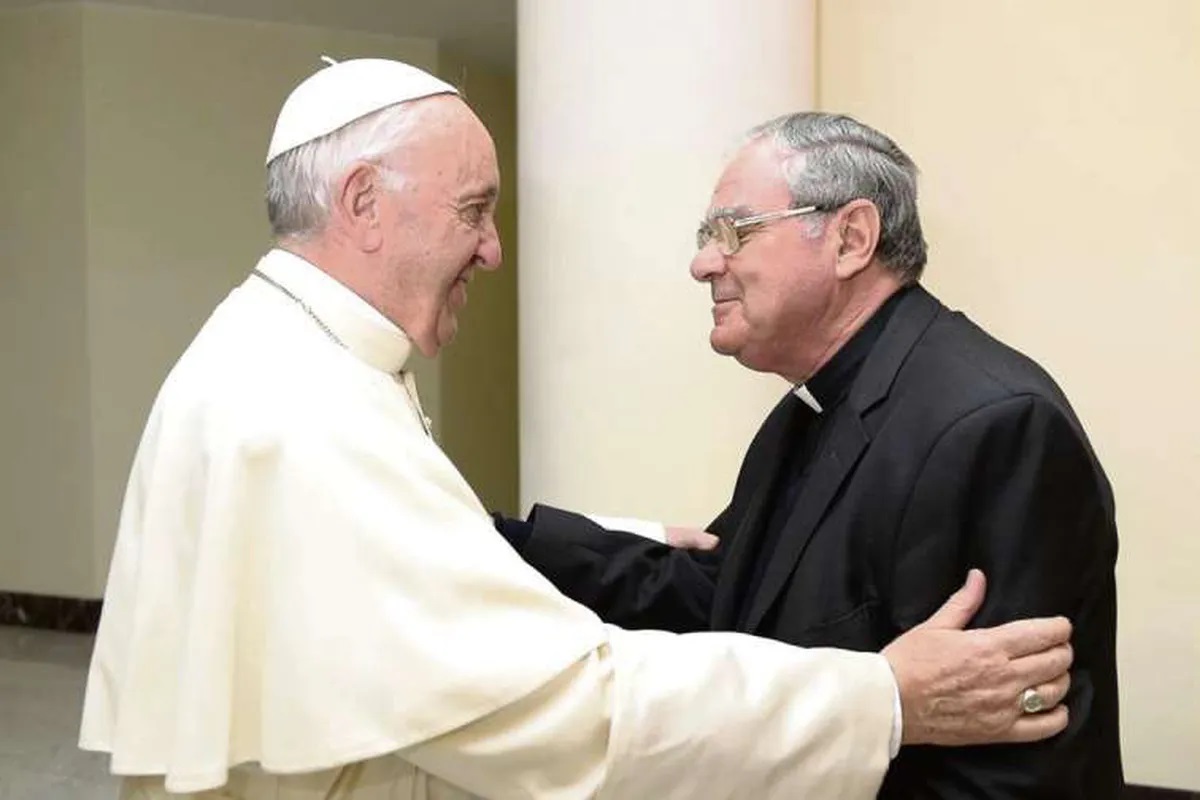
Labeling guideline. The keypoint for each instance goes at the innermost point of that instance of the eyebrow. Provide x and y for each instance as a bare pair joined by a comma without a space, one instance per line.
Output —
489,194
727,211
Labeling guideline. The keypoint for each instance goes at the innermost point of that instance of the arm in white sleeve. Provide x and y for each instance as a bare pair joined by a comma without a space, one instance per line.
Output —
713,715
657,532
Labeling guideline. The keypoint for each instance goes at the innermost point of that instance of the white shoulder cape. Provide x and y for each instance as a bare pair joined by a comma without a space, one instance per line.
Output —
301,577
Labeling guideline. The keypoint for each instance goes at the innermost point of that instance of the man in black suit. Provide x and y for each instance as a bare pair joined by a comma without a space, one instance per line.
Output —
913,447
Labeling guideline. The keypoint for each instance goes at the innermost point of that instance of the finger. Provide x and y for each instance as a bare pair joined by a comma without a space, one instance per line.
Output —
1045,667
1055,691
958,610
691,539
1027,636
1035,727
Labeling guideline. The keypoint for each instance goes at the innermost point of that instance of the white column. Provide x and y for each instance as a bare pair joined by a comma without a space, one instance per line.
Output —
627,110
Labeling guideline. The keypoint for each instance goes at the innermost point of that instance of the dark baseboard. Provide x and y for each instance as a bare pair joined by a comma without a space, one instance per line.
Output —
1151,793
50,613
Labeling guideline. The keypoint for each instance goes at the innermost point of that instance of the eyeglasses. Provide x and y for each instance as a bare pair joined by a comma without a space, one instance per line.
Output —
726,230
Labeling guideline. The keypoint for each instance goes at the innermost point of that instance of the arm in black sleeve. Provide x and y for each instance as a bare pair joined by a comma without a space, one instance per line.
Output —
627,579
1014,489
516,531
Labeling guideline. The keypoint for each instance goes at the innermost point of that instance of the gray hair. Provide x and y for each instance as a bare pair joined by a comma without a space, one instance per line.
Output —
834,159
300,181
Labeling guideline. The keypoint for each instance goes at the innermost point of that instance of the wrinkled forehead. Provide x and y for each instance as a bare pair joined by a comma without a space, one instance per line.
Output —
484,151
753,180
451,144
479,170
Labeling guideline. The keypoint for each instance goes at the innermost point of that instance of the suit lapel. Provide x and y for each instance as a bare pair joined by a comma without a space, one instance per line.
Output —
739,561
834,461
847,439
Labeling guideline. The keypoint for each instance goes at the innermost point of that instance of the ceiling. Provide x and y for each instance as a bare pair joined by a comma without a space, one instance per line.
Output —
482,30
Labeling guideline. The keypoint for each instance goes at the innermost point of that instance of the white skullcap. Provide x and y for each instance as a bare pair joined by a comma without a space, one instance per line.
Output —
343,92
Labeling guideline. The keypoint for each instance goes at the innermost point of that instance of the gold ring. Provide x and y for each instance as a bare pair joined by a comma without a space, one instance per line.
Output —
1032,702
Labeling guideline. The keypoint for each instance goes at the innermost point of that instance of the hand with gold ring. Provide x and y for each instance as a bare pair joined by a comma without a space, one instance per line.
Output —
1005,684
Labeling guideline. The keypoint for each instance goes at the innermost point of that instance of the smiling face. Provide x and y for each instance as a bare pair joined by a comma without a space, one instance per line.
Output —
438,225
772,298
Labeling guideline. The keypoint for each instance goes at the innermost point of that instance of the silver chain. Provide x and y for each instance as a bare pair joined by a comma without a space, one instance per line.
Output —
336,340
307,309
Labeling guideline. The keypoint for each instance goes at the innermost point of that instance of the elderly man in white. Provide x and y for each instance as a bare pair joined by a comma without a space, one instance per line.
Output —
308,601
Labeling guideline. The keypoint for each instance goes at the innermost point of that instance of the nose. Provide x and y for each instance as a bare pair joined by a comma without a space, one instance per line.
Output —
489,254
707,264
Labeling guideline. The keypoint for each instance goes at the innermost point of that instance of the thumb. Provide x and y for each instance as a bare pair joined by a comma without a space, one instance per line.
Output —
958,610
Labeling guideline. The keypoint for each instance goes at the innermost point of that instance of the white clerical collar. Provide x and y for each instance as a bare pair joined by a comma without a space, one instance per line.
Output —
364,331
804,394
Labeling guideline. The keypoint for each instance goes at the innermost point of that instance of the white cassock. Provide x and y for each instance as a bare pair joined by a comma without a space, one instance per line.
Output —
307,601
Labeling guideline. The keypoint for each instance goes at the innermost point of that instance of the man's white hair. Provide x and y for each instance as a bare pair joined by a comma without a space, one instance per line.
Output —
300,181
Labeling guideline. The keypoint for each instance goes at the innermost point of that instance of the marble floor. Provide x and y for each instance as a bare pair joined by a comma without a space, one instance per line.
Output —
41,690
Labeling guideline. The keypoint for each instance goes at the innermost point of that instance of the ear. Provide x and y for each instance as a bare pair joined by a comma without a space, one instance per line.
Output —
355,207
858,235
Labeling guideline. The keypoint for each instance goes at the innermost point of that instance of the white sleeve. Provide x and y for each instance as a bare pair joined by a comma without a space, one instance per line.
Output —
657,532
897,724
667,716
642,527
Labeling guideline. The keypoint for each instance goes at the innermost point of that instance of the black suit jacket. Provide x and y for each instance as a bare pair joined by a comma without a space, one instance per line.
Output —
950,451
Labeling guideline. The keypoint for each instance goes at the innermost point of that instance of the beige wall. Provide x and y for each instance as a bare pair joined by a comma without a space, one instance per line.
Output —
45,461
143,135
479,371
1058,143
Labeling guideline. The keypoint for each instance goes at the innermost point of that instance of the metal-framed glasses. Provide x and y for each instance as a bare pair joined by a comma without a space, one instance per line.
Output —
726,231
